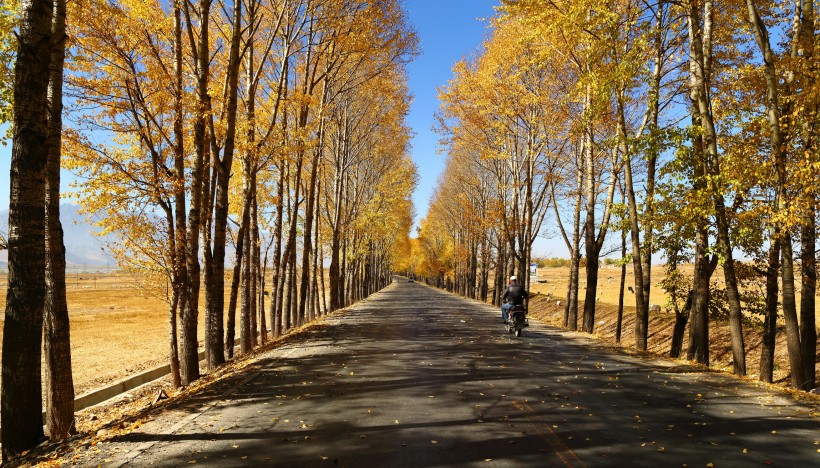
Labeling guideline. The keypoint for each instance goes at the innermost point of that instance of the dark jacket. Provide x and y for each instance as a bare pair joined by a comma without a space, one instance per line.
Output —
514,294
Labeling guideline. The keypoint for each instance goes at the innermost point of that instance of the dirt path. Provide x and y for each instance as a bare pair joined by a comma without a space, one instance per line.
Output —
417,377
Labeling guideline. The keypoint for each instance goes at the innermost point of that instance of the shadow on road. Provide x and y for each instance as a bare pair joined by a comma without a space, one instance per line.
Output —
417,377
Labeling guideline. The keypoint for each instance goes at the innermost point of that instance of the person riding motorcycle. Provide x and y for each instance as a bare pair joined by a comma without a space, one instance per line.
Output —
514,295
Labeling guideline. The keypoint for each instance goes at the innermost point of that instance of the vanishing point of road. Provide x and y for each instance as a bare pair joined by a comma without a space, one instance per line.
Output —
418,377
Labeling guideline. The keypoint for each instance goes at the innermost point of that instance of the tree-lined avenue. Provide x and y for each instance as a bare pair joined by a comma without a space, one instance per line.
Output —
418,377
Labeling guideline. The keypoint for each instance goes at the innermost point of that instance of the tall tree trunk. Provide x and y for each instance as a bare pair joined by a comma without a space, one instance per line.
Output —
21,413
173,353
307,239
769,338
808,326
699,72
593,259
641,305
291,305
334,271
322,279
619,324
290,299
500,274
235,279
251,160
284,313
230,332
589,232
571,309
699,326
189,364
59,380
808,234
258,273
179,269
732,290
343,274
223,181
796,365
276,297
317,267
653,153
245,313
485,266
253,264
213,328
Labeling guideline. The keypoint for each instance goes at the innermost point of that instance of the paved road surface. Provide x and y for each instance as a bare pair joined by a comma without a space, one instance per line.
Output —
418,377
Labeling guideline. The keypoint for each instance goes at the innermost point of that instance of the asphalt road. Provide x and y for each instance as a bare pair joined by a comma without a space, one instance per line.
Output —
417,377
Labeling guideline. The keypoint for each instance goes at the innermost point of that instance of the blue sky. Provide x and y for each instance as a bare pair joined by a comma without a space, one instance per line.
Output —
447,30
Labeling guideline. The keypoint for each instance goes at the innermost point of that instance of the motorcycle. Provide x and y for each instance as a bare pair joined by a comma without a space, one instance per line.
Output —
517,320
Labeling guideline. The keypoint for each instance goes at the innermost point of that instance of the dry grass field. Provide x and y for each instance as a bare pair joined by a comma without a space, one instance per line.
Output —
553,281
117,327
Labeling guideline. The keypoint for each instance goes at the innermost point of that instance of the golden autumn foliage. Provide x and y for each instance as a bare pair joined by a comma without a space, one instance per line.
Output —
701,116
296,142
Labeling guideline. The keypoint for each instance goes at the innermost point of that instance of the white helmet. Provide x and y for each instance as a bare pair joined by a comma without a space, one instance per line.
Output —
513,278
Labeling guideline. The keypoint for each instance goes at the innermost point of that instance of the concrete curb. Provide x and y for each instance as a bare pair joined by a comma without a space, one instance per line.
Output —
100,395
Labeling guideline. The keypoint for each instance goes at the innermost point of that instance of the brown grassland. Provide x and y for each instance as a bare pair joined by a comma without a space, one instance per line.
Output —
119,328
552,286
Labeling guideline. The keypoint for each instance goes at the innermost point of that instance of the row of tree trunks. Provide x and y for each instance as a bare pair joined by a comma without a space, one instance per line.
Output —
36,307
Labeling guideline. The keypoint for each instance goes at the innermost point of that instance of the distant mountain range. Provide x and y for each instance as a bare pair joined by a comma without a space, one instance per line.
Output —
84,249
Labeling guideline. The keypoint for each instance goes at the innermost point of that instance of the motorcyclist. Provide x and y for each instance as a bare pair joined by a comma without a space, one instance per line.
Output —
514,295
